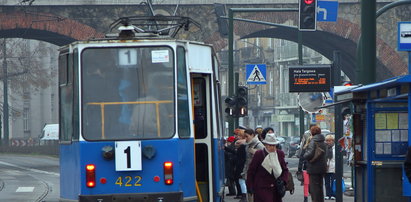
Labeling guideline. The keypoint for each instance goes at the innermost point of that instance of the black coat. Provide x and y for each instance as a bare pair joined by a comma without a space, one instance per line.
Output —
320,165
260,181
230,160
239,154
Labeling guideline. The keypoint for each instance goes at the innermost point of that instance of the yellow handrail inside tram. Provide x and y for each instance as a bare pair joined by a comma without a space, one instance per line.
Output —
103,104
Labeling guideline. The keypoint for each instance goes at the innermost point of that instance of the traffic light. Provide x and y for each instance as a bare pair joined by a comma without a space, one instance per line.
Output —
308,15
231,103
242,101
347,83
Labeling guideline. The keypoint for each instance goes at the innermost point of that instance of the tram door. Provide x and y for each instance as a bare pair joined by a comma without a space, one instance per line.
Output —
202,135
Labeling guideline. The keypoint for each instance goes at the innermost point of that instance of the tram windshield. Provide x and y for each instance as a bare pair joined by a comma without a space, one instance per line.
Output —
127,93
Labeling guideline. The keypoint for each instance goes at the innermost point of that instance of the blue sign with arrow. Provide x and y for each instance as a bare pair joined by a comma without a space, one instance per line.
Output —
327,11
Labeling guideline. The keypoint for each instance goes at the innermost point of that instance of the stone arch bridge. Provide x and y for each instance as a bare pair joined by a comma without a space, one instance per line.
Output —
63,24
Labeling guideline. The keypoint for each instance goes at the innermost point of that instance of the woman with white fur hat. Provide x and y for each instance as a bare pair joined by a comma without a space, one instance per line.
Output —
266,166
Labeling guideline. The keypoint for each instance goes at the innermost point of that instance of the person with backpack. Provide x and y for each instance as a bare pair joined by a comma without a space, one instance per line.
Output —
315,155
302,174
267,166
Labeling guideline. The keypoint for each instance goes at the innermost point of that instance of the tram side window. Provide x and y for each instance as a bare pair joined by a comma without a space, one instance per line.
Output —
217,98
182,95
65,98
76,130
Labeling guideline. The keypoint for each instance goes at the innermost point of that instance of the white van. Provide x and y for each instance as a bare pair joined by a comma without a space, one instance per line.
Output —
50,134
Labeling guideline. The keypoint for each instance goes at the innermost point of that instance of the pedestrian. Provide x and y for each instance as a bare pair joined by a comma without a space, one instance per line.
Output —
302,168
316,164
258,132
230,160
240,154
407,164
267,165
252,145
264,133
330,175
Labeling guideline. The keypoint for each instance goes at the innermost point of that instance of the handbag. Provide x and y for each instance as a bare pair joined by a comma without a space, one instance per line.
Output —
280,186
300,176
317,152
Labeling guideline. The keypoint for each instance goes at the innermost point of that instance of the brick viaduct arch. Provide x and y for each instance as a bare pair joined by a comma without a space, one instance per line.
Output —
44,27
341,35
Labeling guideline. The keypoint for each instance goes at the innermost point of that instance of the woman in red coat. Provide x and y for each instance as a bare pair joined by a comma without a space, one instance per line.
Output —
267,165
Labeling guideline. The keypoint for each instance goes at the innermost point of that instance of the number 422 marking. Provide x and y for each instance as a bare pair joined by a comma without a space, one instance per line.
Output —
128,181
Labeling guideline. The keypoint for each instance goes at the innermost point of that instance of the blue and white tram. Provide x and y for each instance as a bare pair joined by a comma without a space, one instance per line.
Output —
140,120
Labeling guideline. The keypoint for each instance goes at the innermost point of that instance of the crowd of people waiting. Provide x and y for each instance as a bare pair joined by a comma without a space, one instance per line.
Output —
254,162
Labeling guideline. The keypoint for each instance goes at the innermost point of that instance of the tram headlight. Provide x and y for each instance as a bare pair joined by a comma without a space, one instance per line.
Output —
168,173
107,152
90,175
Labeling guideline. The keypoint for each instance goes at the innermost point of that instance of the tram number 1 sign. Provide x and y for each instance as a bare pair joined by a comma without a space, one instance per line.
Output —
128,155
310,78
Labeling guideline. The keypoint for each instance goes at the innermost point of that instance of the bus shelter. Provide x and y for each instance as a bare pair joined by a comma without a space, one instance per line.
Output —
380,138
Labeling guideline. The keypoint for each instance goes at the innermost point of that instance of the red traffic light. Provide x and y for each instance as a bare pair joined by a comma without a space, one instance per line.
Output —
347,83
307,15
308,2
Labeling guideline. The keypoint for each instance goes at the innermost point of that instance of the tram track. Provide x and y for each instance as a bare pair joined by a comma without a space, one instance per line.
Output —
29,178
1,185
46,191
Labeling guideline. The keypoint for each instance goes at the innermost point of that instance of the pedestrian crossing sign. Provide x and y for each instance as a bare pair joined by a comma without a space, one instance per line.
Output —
256,74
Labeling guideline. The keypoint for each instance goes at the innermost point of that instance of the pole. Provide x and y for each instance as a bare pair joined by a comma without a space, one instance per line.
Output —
236,78
230,65
368,42
338,128
359,70
5,101
300,62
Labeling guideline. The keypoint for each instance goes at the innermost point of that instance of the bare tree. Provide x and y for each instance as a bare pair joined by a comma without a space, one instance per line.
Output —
28,65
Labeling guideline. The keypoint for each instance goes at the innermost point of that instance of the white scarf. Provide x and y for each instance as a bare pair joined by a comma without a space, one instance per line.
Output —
271,164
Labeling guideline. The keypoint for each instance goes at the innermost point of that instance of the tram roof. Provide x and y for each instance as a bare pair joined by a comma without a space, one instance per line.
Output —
134,40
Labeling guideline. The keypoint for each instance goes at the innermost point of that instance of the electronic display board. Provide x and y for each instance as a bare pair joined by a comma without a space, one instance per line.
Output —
310,78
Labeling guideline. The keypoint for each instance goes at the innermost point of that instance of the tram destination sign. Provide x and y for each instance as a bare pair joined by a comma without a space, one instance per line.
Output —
310,78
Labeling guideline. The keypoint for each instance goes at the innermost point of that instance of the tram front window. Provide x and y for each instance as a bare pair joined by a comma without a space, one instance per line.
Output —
127,93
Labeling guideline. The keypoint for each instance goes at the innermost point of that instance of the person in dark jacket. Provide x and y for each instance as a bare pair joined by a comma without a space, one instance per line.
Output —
267,165
240,156
302,168
230,160
407,164
316,164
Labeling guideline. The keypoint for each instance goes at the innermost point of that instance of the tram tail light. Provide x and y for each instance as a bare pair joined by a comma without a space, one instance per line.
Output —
168,173
90,175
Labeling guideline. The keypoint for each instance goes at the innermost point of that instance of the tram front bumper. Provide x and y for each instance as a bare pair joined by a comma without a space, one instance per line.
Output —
141,197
